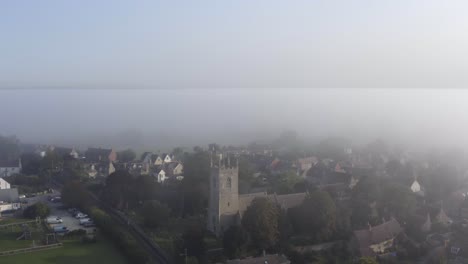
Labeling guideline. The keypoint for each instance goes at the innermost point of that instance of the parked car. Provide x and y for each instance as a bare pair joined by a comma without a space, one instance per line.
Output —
60,229
84,220
89,224
72,210
56,199
22,196
54,220
81,215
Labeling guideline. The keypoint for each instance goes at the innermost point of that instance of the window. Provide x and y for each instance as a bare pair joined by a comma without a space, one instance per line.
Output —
228,183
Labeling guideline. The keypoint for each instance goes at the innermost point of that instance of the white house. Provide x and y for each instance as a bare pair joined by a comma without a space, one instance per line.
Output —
8,168
415,187
4,184
167,158
161,175
158,160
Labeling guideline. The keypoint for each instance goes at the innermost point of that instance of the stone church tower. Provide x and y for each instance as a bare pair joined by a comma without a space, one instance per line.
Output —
223,210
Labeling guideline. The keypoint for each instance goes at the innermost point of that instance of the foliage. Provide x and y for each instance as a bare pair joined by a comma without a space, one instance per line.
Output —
367,260
126,155
118,190
31,164
316,216
260,220
285,182
123,240
52,161
154,213
196,181
37,210
398,201
74,194
234,241
193,242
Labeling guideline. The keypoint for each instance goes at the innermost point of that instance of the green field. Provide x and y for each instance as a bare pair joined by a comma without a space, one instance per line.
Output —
71,252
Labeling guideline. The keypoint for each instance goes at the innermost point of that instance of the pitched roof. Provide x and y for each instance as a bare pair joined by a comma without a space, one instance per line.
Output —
97,154
267,259
9,163
246,199
9,195
375,235
287,201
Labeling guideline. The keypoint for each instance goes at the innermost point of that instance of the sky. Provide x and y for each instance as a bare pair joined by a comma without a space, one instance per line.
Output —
152,73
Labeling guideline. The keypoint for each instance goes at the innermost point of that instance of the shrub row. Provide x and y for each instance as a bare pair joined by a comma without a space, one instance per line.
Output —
122,238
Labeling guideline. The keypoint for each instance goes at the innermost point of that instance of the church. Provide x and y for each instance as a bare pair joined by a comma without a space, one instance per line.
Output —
226,206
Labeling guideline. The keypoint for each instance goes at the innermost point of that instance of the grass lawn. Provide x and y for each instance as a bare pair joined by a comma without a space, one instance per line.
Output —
8,236
71,252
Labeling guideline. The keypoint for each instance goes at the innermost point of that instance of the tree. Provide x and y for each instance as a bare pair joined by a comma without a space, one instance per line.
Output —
367,191
234,241
178,153
193,241
126,155
397,200
118,190
154,213
260,220
367,260
74,194
317,216
285,182
196,181
31,164
37,210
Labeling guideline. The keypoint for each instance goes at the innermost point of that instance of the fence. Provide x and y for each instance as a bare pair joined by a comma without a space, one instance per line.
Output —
31,249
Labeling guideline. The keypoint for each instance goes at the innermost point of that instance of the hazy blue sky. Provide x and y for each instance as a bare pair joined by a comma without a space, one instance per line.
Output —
159,67
400,43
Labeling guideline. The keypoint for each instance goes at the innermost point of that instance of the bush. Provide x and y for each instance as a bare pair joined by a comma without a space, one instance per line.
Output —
123,240
154,214
75,233
37,210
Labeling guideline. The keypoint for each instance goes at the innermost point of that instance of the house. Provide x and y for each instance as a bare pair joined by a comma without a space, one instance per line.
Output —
160,175
305,164
102,169
265,259
9,200
415,186
166,158
4,184
146,158
65,151
157,160
442,218
96,155
9,195
376,240
174,168
10,167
